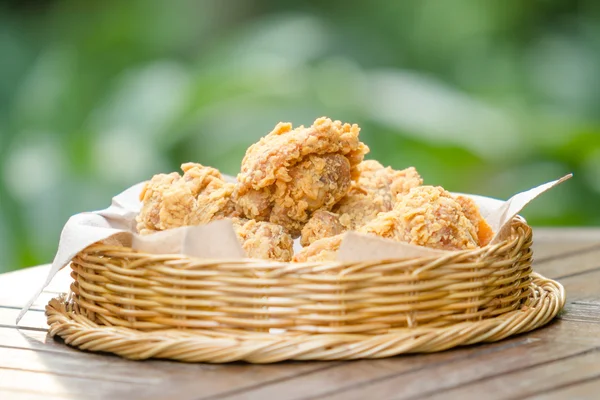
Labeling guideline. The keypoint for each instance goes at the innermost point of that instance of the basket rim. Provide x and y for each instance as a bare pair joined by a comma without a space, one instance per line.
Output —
516,236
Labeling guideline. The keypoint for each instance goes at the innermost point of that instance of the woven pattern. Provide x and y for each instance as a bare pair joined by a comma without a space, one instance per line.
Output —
140,305
546,300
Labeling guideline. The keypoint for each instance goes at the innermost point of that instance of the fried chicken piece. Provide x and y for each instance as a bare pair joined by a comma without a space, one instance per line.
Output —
149,219
426,216
322,224
324,249
471,210
289,174
375,192
198,197
318,182
264,240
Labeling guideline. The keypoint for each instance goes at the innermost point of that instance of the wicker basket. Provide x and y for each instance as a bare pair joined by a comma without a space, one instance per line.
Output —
140,305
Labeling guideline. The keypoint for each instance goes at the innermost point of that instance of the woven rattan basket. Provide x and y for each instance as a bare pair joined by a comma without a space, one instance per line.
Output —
140,305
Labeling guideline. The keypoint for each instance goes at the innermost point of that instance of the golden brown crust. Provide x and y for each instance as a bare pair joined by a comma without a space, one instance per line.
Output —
322,224
430,216
198,197
471,210
289,174
318,182
264,240
324,249
426,216
376,191
149,219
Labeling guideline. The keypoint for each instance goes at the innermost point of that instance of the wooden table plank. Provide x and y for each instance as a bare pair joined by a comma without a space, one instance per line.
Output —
568,264
98,367
356,373
587,389
33,319
382,378
581,312
19,286
528,382
71,387
583,288
33,340
419,383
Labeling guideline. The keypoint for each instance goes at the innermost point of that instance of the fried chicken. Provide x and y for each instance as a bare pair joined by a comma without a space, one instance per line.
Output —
149,219
264,240
198,197
471,210
430,216
324,249
322,224
376,191
291,173
426,216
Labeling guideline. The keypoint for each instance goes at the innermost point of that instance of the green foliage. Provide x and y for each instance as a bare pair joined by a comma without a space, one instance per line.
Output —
482,97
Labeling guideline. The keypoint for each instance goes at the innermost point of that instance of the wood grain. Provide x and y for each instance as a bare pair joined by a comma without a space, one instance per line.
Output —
462,372
382,378
32,340
569,264
33,319
583,288
529,382
66,386
361,372
587,389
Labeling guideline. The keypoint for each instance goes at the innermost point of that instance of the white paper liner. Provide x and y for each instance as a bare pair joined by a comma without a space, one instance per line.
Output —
218,240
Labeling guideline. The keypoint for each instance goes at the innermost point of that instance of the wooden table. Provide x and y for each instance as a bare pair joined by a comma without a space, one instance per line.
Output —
560,361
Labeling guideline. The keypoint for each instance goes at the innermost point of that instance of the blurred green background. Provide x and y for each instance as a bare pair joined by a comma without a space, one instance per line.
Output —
486,97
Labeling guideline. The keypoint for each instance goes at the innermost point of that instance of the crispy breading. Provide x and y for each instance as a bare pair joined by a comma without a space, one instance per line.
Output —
376,191
289,174
324,249
198,197
322,224
471,210
264,240
149,219
426,216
